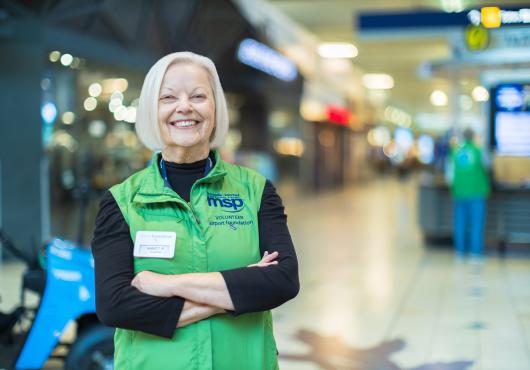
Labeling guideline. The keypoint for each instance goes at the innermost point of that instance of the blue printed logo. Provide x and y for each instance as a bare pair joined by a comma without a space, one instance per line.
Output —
227,202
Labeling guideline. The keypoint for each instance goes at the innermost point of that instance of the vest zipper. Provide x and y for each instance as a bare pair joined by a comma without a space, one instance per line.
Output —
194,214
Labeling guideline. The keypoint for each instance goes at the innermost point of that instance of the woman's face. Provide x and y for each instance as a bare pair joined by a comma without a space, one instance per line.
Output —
186,107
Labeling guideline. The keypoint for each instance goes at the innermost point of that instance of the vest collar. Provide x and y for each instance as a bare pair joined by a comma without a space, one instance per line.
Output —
153,189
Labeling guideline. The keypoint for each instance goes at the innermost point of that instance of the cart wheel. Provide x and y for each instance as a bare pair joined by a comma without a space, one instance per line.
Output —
92,350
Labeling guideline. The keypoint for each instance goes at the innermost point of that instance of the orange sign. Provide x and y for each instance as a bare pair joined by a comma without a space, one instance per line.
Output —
491,16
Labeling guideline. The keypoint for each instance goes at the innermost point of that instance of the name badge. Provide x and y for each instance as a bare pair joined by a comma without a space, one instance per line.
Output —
155,244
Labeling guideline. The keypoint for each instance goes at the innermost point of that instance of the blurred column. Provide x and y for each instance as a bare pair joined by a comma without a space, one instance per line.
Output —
454,100
253,123
23,196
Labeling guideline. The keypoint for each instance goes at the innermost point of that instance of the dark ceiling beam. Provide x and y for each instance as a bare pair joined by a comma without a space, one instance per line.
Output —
180,33
19,9
103,51
163,26
48,7
91,18
114,28
93,7
146,10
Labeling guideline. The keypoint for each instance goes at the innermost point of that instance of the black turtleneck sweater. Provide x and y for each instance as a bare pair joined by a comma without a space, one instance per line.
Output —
251,289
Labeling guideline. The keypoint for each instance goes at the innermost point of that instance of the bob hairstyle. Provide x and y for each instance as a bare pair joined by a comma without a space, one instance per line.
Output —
147,127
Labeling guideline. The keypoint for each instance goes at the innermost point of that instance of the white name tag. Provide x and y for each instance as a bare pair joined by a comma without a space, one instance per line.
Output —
155,244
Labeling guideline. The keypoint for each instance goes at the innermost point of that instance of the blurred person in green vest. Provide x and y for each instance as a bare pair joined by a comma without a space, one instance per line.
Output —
470,188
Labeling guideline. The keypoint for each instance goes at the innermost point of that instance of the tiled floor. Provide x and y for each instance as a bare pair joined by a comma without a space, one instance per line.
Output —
374,297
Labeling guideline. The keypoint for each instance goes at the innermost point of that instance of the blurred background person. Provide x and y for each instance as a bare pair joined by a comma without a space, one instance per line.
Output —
470,188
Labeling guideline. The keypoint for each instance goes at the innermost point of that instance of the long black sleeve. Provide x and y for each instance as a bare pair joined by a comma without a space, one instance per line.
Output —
119,304
263,288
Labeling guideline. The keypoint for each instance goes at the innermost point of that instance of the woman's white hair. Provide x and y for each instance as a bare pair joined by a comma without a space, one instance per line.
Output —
147,127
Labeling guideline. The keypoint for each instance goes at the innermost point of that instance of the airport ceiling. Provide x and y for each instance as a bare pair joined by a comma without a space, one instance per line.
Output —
334,21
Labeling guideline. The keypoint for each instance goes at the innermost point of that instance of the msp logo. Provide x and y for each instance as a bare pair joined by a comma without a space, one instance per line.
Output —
227,202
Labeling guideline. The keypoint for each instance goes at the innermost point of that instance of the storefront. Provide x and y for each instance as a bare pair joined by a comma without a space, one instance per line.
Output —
75,88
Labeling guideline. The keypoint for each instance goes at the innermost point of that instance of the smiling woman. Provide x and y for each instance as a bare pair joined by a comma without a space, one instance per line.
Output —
181,248
165,81
186,112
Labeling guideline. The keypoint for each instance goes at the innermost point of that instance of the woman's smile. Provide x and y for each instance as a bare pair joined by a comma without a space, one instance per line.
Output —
184,123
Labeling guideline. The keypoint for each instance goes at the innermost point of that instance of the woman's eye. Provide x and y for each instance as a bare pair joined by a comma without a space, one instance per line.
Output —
199,96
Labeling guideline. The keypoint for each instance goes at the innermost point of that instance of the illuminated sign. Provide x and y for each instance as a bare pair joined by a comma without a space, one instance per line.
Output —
265,59
510,97
491,16
48,113
338,115
477,38
511,120
494,17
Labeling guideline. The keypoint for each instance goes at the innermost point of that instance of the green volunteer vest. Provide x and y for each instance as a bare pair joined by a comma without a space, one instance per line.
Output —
216,230
470,179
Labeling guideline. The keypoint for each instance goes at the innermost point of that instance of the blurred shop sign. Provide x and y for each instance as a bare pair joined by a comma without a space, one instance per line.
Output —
436,23
512,38
261,57
495,17
511,119
338,115
477,38
481,39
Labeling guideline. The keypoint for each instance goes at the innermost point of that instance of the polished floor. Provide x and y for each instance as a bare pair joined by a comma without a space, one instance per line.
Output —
374,297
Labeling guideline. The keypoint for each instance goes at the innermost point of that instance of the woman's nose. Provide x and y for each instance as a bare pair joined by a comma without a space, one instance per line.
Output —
183,106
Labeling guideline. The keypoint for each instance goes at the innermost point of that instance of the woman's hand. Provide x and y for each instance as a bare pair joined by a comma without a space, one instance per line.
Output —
267,260
152,283
193,312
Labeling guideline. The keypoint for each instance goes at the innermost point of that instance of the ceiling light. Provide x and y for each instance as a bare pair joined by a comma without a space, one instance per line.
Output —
116,95
337,50
312,111
289,146
66,59
114,104
97,128
452,6
111,85
68,118
94,89
54,56
76,63
480,93
379,136
378,81
90,104
130,115
439,98
120,113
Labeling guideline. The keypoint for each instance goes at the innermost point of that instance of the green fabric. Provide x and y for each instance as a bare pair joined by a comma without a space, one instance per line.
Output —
470,179
215,231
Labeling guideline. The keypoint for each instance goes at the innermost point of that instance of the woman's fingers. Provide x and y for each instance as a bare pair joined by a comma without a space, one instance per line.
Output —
269,257
267,260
